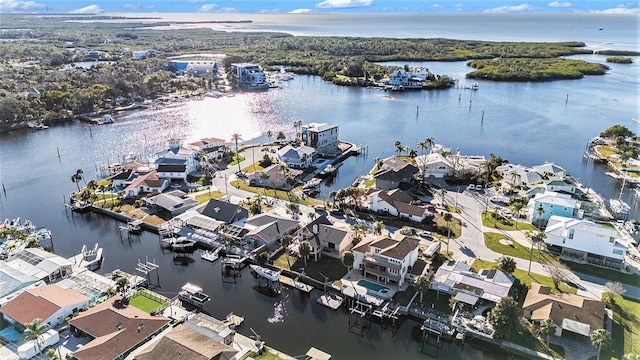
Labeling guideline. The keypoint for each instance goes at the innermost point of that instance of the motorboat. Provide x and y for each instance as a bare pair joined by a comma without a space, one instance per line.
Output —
329,170
182,244
193,295
268,274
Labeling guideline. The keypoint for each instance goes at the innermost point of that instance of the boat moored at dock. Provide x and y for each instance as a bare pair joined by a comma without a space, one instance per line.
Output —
266,273
193,295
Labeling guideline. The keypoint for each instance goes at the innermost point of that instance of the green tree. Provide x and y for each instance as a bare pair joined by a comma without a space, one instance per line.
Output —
506,264
398,146
599,338
305,250
237,137
262,258
504,317
616,131
378,226
35,330
122,285
421,283
285,240
347,259
547,328
448,217
52,354
269,135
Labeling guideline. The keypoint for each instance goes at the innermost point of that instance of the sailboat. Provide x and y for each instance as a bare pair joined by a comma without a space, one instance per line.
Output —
620,208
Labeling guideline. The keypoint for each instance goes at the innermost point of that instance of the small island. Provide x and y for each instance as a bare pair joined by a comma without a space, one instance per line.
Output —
620,60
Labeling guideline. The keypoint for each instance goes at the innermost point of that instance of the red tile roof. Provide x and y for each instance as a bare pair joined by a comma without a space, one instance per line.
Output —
26,307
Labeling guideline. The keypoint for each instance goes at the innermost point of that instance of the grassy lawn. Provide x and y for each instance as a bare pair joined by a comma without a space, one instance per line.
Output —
525,279
278,194
606,150
236,159
255,167
330,267
604,273
403,297
525,338
145,302
492,241
439,301
266,355
506,225
625,330
204,197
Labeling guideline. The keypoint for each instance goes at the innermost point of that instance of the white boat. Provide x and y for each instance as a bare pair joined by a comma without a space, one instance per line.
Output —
619,207
327,171
475,86
43,234
182,244
210,255
193,295
266,273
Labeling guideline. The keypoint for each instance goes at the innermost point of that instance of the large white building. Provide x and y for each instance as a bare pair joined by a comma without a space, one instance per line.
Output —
386,259
322,137
585,241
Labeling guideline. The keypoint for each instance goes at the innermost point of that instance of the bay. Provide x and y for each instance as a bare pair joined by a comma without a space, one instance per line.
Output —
527,123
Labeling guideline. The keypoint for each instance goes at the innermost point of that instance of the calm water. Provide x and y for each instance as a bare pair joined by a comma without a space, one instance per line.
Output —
524,122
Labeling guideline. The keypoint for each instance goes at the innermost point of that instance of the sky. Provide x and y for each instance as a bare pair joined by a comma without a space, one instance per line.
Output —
318,6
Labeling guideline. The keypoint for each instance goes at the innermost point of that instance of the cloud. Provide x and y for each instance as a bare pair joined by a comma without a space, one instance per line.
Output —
207,8
15,5
91,9
329,4
227,10
132,6
301,11
437,6
509,8
559,4
459,6
620,9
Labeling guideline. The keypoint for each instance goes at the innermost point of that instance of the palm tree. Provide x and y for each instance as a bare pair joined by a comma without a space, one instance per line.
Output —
237,137
506,264
285,240
398,146
122,285
430,142
422,145
517,207
76,179
379,163
281,136
80,174
305,250
540,211
599,339
269,135
378,226
34,331
448,217
298,127
422,285
548,328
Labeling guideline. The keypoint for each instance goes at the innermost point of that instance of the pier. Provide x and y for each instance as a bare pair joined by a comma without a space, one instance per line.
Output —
294,283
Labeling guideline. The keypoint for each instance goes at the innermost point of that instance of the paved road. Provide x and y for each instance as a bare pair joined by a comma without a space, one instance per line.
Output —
470,244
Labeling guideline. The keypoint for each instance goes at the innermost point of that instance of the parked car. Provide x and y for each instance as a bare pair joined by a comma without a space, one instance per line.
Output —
425,235
471,187
478,187
319,208
241,174
335,211
430,207
499,199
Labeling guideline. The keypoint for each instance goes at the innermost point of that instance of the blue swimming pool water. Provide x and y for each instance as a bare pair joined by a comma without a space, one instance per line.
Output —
373,286
10,334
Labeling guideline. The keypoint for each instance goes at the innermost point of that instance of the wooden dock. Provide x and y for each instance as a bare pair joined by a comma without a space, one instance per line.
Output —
295,284
234,320
330,300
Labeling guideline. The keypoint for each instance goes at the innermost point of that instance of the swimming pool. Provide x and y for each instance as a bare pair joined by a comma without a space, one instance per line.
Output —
373,286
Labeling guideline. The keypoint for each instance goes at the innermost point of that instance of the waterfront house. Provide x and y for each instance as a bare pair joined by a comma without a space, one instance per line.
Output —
584,240
115,330
250,76
560,185
321,136
456,278
393,172
549,170
223,211
387,259
434,165
552,203
272,177
171,203
400,80
148,182
214,148
51,304
183,342
267,229
299,157
518,175
177,151
397,203
193,67
569,312
325,238
172,169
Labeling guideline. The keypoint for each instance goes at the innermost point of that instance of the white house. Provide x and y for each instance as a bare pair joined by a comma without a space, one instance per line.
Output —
173,169
434,165
586,241
51,304
517,174
321,136
296,157
397,203
146,183
456,278
177,151
214,148
387,260
549,170
565,185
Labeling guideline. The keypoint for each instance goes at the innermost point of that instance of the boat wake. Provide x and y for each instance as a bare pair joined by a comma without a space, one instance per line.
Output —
279,312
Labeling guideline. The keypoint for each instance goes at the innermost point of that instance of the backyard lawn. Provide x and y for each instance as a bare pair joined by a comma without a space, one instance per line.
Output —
145,301
492,241
625,333
507,225
332,268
